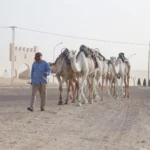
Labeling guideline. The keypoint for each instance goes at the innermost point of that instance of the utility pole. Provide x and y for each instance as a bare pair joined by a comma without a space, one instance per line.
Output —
148,62
12,54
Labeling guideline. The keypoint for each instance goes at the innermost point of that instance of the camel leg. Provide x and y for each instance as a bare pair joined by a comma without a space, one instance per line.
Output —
121,85
91,87
79,93
60,90
81,90
76,90
107,88
116,88
114,91
90,83
95,91
111,86
102,88
73,91
68,91
125,85
128,80
84,78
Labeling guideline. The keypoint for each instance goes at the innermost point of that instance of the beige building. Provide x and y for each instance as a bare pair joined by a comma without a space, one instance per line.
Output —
23,55
25,75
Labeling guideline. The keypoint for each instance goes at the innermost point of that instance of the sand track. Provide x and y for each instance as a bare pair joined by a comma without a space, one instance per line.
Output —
122,124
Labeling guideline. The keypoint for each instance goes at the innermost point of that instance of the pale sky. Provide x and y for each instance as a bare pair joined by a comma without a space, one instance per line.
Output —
114,20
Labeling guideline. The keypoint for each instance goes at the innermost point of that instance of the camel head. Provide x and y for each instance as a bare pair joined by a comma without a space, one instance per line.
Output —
53,67
113,59
72,54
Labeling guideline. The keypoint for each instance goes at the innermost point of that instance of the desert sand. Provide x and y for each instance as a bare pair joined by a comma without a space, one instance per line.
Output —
122,124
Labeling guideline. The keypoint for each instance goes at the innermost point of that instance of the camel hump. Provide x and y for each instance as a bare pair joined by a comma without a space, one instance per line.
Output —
87,51
65,53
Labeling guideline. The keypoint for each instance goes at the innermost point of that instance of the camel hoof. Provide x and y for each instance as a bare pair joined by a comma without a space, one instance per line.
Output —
90,102
124,96
110,96
66,102
84,102
60,103
95,100
70,97
116,96
78,104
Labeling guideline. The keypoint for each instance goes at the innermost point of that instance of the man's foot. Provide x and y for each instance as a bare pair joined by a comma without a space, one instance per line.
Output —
30,108
42,109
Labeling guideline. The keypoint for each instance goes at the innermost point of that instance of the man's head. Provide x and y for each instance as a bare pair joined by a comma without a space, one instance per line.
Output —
38,57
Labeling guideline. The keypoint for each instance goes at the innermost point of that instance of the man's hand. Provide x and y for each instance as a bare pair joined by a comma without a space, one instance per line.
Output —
45,74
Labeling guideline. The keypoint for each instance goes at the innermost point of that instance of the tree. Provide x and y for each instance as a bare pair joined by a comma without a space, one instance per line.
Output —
139,81
144,82
149,83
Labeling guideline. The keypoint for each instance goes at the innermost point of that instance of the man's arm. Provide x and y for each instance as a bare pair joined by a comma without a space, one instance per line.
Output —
32,70
47,69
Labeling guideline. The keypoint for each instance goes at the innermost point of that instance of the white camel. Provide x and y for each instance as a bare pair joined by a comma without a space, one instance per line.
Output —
124,75
101,75
85,70
112,77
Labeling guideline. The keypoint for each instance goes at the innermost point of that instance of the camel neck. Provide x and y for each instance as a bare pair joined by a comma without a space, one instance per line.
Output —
75,64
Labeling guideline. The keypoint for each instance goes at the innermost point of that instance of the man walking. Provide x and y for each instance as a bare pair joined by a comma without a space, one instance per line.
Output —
40,71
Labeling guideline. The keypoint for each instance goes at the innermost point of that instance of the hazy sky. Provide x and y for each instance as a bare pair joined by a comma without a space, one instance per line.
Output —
116,20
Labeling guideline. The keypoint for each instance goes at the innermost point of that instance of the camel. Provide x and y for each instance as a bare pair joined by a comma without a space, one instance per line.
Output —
112,77
102,73
64,73
85,70
123,74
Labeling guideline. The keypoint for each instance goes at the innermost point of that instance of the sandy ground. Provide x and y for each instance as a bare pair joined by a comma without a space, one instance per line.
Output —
122,124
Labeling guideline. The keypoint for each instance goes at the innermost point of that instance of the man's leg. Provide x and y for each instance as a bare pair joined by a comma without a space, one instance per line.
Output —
43,95
33,97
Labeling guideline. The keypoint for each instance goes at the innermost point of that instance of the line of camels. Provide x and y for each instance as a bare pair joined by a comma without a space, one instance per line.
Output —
87,71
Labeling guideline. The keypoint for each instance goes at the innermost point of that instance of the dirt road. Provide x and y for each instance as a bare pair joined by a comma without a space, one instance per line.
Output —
122,124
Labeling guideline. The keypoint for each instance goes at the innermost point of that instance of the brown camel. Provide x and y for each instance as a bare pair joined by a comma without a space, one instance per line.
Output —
64,73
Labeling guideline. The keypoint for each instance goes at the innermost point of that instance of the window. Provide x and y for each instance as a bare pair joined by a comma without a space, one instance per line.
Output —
25,56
